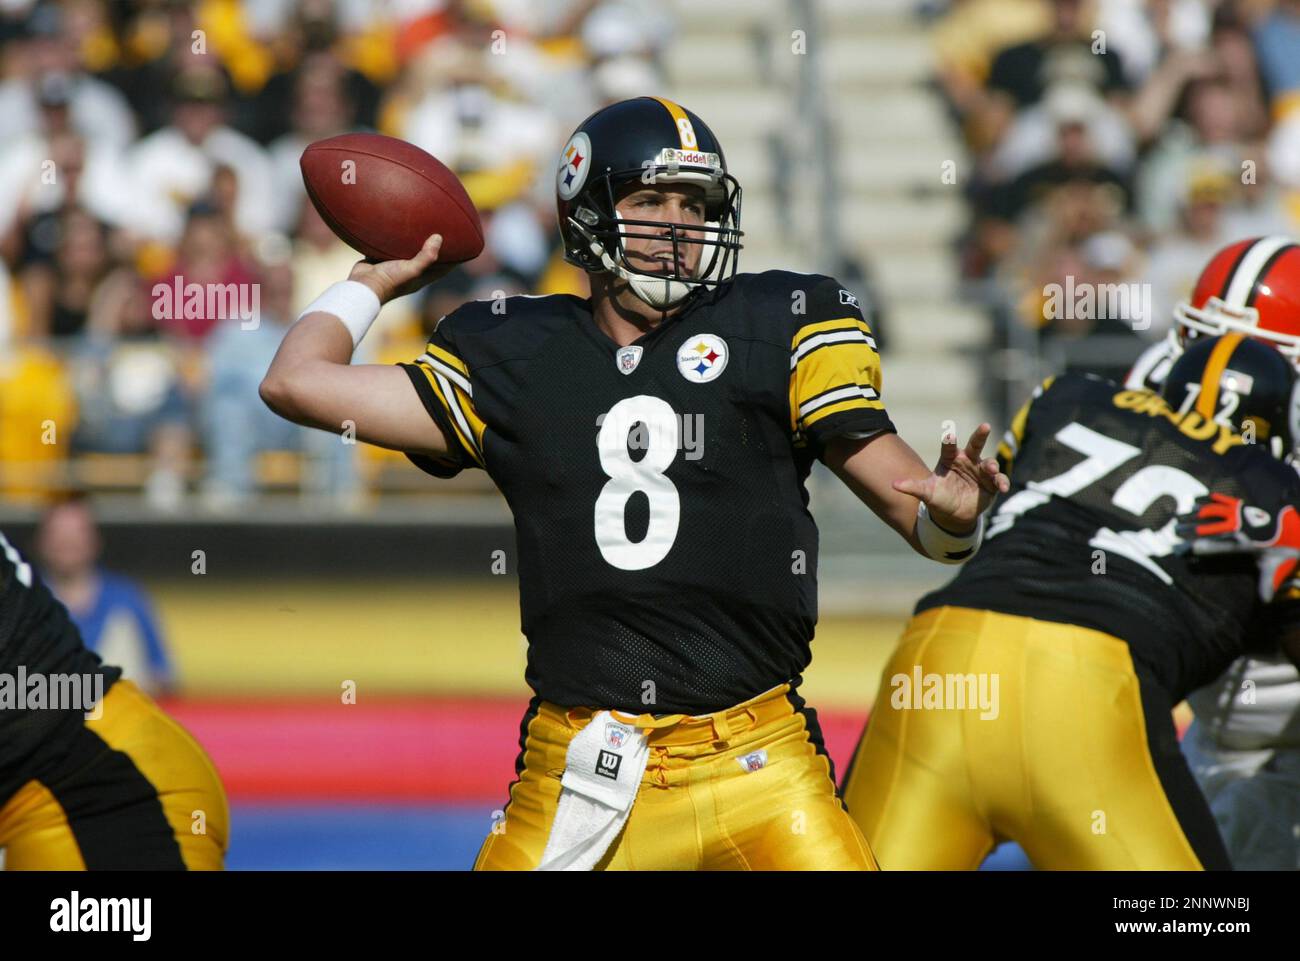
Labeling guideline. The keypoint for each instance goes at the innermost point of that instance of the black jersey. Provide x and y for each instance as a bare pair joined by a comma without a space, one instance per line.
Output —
39,645
1086,533
667,558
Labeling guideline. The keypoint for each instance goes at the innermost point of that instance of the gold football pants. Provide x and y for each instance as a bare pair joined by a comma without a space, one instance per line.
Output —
1079,762
135,791
701,805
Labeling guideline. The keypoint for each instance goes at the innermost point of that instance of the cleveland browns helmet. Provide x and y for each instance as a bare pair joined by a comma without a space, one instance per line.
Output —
1233,379
1250,287
652,141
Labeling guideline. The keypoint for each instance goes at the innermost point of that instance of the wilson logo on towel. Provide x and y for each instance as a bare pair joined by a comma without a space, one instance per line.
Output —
607,764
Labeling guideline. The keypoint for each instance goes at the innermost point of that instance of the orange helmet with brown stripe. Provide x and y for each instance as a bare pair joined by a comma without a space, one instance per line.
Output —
1251,287
1235,380
653,141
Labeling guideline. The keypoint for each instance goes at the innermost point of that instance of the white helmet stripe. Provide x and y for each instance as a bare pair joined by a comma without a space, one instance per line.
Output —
1247,273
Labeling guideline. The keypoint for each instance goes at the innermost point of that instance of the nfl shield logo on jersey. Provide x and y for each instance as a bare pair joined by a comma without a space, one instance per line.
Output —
616,735
754,761
702,358
627,358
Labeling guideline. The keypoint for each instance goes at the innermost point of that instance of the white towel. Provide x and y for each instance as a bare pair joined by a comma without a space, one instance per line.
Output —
602,773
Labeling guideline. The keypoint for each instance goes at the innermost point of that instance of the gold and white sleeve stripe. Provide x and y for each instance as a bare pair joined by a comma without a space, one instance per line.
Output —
449,379
834,369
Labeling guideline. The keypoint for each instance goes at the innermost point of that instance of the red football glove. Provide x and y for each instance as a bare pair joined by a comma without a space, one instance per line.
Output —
1220,524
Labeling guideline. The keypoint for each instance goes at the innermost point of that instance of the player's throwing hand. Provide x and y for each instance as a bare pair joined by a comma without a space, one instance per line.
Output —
394,278
962,486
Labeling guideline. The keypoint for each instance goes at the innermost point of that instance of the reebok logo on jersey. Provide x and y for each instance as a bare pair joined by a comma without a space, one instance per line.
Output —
607,764
849,300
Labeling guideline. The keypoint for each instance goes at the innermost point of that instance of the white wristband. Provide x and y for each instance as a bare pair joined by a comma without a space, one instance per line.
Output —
352,302
942,546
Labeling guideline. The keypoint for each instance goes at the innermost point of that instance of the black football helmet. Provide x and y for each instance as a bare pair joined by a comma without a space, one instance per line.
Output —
653,141
1233,379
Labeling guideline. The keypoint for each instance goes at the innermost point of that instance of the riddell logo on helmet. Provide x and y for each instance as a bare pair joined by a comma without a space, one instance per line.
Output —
671,155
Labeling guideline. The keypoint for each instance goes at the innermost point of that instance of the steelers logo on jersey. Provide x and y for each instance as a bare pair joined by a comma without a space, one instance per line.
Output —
702,358
575,161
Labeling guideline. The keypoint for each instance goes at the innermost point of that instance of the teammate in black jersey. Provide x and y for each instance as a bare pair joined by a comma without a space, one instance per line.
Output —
653,443
1243,744
93,774
1087,625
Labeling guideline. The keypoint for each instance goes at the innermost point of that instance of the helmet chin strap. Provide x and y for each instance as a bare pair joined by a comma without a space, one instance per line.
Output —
659,294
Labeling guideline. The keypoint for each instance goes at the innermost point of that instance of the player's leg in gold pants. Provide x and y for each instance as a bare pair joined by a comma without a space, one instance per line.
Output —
134,792
1079,763
699,807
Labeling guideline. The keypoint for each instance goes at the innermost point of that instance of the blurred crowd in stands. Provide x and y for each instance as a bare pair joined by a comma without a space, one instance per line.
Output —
153,144
146,145
1116,142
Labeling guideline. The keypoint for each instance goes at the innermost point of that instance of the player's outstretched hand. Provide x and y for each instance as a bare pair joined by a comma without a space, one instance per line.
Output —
393,278
963,484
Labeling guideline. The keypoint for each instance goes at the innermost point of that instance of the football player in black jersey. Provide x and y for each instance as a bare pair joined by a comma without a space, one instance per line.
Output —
1087,625
93,774
1243,744
653,443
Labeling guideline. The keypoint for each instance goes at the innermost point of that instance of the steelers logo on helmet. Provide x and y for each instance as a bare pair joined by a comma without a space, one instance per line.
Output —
575,161
702,358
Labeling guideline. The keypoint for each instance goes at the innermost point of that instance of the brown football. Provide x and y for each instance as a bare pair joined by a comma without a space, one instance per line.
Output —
384,197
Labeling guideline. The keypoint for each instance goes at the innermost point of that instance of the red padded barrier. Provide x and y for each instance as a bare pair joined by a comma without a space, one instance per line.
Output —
452,749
